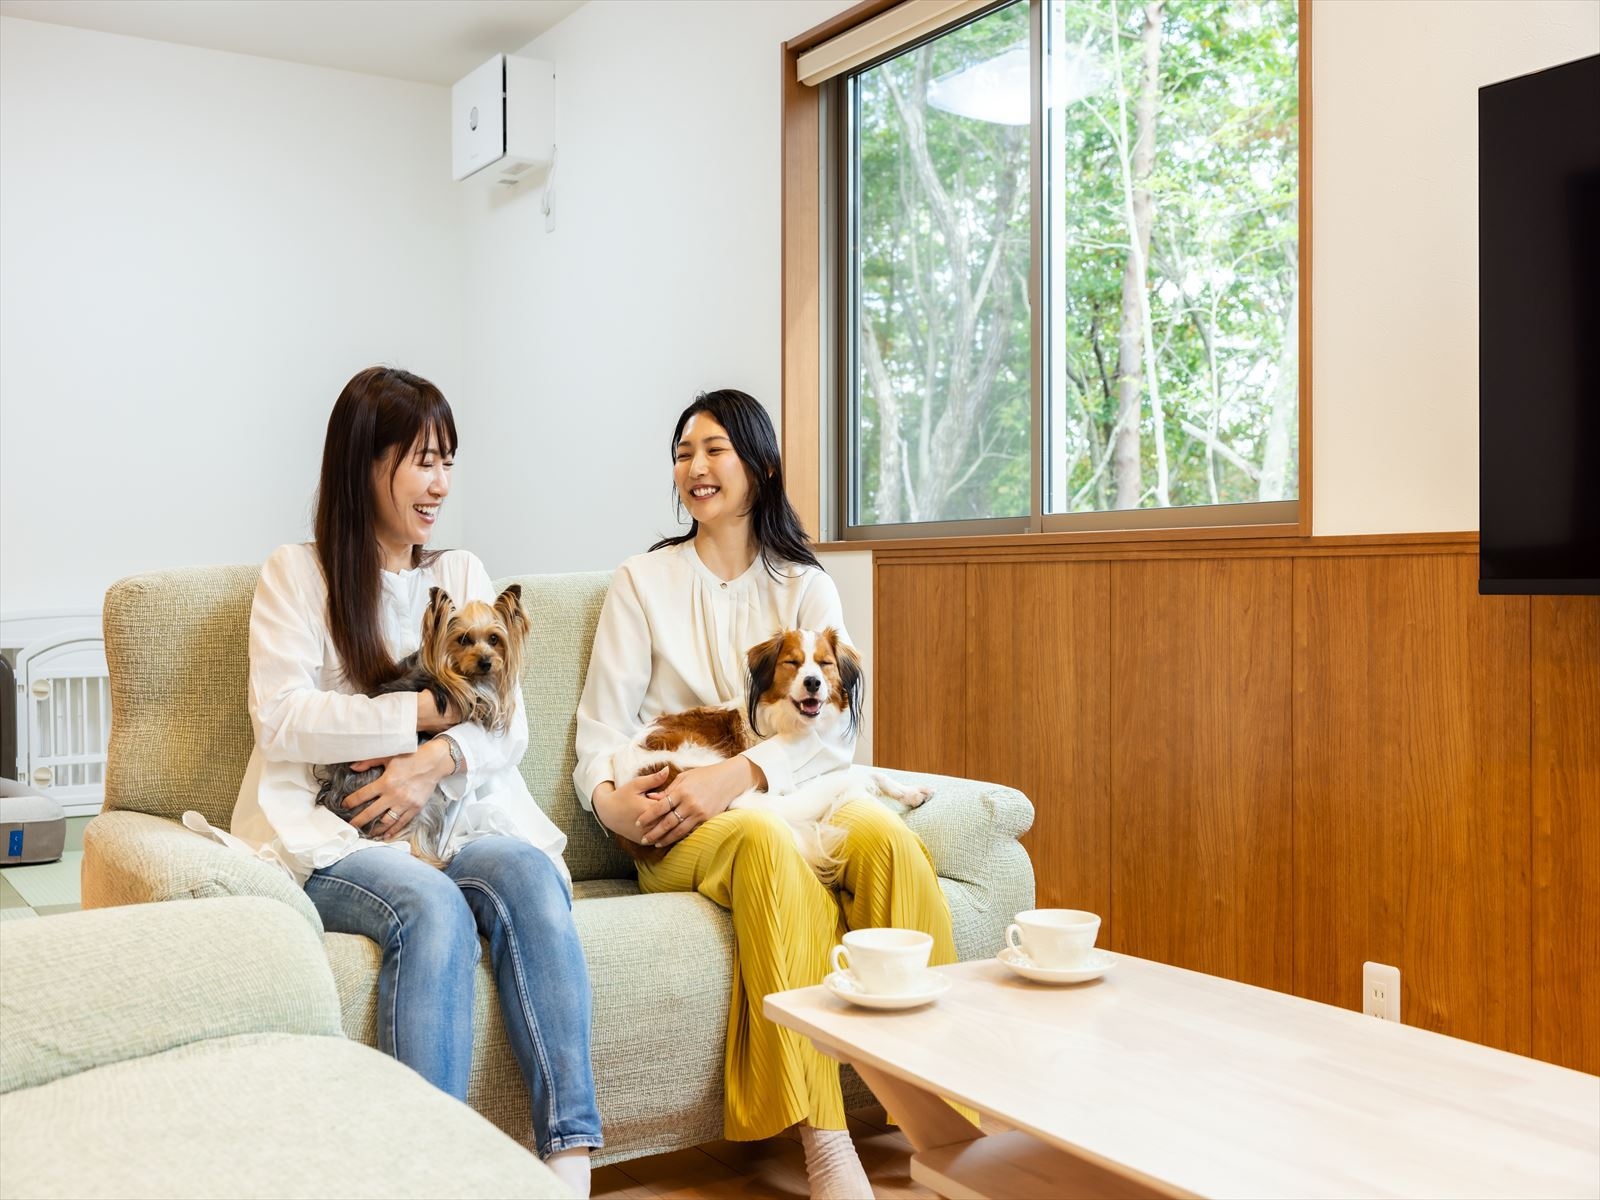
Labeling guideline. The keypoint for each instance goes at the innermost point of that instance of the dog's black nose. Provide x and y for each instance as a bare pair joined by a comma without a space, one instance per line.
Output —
485,665
813,683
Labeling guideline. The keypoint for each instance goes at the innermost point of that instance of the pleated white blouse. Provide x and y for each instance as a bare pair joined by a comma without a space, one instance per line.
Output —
305,712
672,635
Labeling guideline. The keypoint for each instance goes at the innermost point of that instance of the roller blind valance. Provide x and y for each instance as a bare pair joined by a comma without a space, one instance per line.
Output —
883,34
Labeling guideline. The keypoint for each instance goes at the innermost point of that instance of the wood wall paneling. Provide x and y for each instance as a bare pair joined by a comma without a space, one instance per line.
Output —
1037,687
1566,830
1411,772
1201,781
920,656
1316,752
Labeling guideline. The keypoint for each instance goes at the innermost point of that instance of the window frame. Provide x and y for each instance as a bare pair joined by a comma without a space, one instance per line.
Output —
817,361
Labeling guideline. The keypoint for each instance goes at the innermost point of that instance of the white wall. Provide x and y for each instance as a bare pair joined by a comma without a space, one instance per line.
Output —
1394,293
198,249
660,279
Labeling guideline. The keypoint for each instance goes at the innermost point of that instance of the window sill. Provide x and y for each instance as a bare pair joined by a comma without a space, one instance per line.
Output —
1259,538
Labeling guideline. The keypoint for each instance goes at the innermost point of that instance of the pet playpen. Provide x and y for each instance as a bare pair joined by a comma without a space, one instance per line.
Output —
59,705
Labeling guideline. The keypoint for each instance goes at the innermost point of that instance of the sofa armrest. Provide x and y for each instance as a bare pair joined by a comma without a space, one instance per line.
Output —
971,830
80,990
964,821
134,858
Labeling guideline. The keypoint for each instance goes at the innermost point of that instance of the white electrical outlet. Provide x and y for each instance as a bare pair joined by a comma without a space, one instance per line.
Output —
1380,991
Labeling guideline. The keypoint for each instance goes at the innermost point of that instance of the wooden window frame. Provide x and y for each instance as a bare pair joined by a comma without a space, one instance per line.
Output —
804,341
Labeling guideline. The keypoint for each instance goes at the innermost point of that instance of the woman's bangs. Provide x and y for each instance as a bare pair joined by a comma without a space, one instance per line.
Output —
432,426
439,430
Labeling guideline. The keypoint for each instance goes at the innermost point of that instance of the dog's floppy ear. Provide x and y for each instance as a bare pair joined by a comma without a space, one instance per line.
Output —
844,654
763,663
436,627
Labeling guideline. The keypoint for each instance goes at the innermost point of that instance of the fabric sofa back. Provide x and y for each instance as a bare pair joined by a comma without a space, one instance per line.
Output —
177,644
563,611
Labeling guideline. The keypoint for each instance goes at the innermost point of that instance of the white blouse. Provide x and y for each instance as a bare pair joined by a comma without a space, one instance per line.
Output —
674,636
306,712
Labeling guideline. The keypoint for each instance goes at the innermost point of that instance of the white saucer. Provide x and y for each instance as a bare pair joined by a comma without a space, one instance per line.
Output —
932,987
1097,964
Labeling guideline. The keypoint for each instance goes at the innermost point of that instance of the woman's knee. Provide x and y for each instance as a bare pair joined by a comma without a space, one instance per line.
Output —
437,925
404,904
515,873
756,832
870,826
500,854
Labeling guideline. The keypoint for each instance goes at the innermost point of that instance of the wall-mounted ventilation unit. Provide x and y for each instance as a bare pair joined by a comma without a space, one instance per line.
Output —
502,120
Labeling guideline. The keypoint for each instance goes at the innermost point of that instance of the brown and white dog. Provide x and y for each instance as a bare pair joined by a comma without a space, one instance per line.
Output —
802,681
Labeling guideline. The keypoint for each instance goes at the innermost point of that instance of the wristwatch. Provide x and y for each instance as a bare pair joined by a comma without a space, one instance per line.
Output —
456,761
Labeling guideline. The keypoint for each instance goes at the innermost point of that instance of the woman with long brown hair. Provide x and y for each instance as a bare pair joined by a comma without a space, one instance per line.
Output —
330,622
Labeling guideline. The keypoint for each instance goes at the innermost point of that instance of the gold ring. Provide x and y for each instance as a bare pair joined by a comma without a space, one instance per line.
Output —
679,815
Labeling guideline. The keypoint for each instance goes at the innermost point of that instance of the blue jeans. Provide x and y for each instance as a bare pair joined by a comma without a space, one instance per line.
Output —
427,924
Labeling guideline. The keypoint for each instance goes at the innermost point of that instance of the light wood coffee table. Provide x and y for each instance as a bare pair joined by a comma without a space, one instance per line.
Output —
1156,1081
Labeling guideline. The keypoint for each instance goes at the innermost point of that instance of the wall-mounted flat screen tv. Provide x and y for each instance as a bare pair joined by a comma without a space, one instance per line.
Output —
1539,332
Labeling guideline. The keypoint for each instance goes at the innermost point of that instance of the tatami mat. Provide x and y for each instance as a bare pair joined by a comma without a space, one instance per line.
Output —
9,896
48,884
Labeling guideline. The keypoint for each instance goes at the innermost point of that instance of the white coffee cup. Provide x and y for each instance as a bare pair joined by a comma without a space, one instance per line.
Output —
1054,937
885,962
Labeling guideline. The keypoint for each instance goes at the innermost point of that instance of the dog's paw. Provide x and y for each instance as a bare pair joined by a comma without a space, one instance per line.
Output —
912,795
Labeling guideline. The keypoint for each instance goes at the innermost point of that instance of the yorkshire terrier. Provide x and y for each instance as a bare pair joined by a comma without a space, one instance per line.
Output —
472,659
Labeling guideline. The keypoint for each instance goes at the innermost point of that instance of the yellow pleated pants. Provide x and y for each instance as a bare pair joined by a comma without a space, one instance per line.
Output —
785,923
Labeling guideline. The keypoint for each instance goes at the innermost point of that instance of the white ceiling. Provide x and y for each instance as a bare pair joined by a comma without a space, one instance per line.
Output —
427,41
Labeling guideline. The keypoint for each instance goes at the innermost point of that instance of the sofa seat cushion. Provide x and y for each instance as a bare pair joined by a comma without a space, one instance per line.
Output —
75,998
257,1115
601,889
662,971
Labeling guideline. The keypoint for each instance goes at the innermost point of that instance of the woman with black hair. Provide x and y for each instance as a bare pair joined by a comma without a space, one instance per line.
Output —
673,635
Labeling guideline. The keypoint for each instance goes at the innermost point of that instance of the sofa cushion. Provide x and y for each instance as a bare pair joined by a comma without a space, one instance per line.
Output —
257,1115
603,889
135,858
73,996
662,968
563,611
178,647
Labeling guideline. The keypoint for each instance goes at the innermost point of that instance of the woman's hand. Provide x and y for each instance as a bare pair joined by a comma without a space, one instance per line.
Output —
619,806
430,719
694,797
395,797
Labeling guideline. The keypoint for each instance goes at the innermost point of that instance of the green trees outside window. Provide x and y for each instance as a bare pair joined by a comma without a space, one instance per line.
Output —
1170,263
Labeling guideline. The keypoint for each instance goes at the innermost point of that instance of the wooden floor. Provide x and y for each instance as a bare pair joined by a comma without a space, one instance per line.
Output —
772,1170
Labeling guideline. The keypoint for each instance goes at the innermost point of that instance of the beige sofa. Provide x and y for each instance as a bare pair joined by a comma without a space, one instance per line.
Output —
176,642
196,1050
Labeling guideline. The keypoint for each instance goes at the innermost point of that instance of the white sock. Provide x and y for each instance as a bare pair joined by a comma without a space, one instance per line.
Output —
832,1166
572,1168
